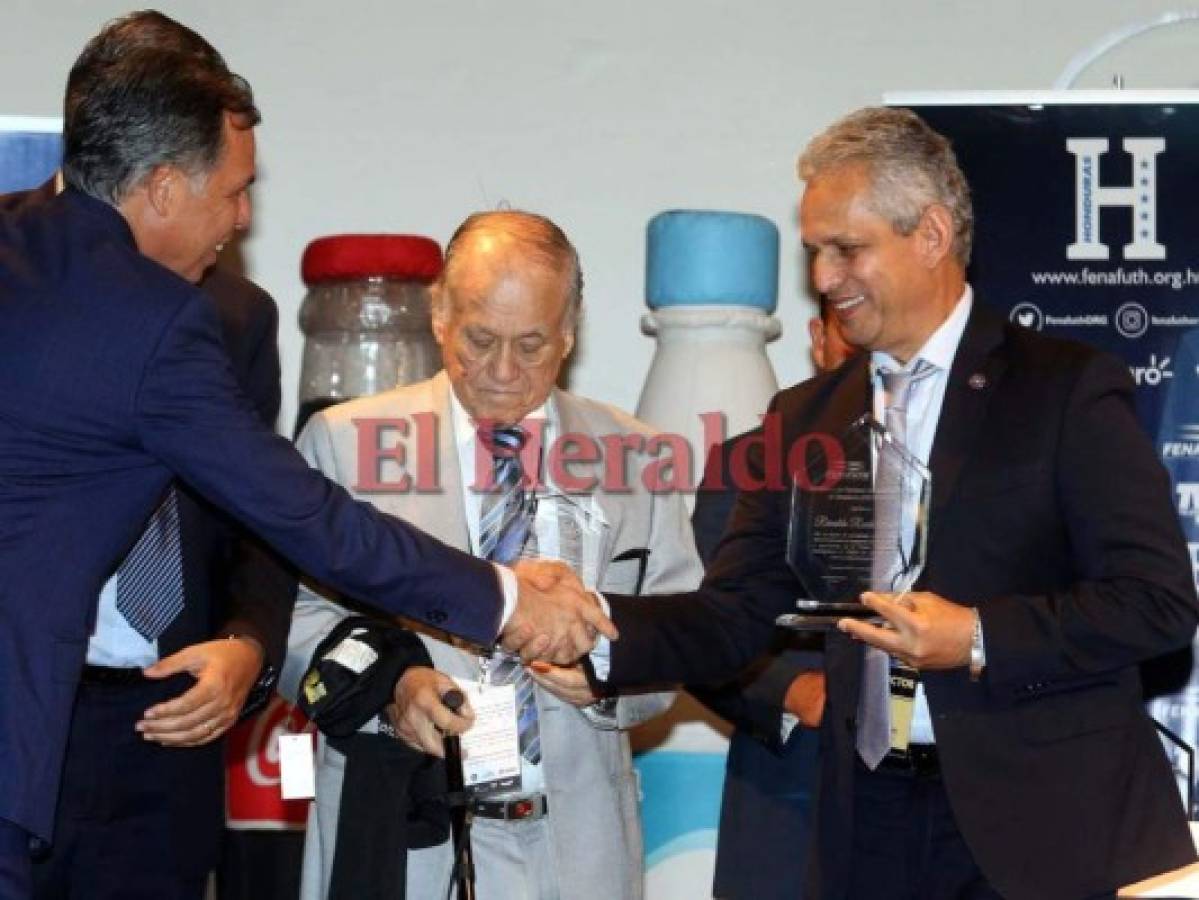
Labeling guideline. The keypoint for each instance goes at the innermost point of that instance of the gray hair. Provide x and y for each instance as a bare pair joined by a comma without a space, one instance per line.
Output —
539,239
911,167
147,91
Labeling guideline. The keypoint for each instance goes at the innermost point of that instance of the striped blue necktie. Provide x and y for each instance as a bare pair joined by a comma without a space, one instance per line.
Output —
150,579
874,700
507,669
506,517
505,530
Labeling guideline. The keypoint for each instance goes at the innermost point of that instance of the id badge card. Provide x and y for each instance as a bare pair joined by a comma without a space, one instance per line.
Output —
297,766
491,747
903,703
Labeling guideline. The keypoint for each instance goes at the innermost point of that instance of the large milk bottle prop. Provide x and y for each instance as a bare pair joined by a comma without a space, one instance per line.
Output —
711,284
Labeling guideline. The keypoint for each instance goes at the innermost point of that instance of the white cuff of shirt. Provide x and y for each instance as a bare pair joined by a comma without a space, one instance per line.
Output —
601,653
787,724
510,590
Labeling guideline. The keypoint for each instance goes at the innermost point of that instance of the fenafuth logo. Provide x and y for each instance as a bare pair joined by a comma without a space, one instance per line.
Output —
1140,197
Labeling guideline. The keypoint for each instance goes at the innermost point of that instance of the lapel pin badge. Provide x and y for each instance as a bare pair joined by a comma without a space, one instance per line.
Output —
978,381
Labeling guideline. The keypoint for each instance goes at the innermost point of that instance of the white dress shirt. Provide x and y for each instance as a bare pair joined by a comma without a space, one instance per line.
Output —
466,441
927,394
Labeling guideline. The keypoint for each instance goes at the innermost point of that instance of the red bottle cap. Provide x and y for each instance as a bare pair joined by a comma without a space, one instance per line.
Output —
341,257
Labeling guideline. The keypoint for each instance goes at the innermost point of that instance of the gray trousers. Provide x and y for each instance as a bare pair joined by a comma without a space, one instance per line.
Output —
513,861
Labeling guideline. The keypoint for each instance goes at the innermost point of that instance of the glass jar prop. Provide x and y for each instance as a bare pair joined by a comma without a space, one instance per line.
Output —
365,317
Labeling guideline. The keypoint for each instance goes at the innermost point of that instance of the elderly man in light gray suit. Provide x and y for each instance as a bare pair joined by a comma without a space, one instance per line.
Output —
504,313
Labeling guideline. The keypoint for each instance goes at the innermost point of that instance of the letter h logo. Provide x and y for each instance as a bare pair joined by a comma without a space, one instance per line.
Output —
1188,500
1140,197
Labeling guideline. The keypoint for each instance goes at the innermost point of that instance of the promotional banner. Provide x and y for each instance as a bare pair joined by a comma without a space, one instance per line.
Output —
1085,229
30,151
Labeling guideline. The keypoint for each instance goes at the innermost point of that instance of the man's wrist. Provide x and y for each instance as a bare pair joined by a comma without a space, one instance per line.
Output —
264,685
247,639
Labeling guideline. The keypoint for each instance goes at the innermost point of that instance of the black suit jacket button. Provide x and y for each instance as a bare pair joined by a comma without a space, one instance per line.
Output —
436,616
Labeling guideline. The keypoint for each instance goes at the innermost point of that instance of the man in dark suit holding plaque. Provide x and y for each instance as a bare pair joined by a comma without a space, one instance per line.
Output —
1054,566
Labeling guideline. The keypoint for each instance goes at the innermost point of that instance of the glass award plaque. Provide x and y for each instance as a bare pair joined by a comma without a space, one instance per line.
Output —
859,522
568,528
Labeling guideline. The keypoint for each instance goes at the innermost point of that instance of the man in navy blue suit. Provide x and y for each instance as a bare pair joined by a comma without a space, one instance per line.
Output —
115,379
219,654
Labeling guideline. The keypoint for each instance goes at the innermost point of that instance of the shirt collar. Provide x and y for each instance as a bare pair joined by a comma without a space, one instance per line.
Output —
464,425
941,346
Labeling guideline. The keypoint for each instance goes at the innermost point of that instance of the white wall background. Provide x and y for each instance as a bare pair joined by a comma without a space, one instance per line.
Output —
398,116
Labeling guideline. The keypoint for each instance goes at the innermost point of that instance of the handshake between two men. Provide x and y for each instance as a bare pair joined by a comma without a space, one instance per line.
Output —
557,621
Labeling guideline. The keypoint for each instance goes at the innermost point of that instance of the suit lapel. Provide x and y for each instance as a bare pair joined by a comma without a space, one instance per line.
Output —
852,397
441,511
450,509
839,405
977,369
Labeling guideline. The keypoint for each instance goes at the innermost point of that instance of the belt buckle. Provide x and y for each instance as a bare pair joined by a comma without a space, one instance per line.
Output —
924,760
511,809
526,808
918,761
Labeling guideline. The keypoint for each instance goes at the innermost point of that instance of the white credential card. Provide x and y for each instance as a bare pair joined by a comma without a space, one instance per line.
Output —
297,768
491,747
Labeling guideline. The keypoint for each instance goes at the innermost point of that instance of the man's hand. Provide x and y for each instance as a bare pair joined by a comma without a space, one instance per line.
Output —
805,698
921,629
555,619
224,670
418,715
564,682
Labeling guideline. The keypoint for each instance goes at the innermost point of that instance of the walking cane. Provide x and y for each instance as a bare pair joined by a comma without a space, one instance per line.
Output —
460,814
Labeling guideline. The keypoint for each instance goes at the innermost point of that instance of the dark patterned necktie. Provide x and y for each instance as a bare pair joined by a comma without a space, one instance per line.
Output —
874,699
150,579
505,530
506,517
